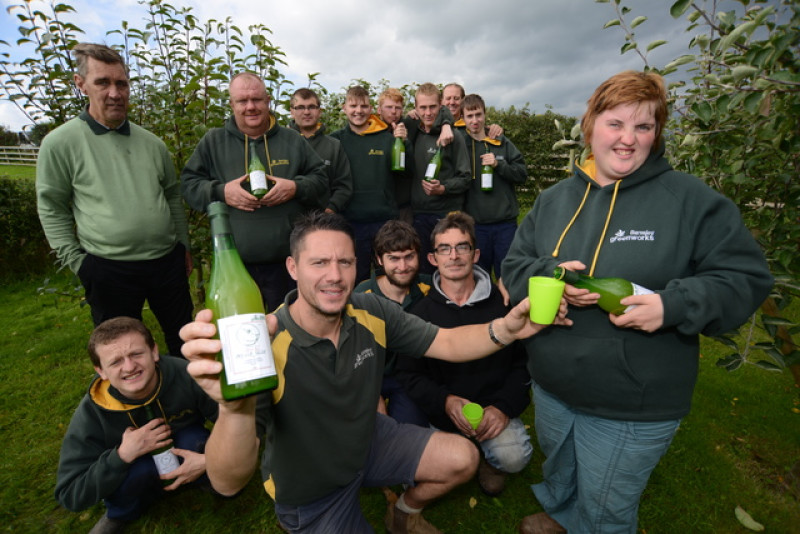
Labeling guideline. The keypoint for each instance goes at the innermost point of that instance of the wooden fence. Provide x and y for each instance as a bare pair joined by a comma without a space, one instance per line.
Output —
18,155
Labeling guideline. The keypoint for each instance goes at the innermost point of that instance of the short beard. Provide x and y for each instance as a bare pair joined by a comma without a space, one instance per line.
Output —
395,283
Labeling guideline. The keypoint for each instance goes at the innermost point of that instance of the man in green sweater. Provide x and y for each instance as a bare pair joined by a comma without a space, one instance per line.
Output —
110,203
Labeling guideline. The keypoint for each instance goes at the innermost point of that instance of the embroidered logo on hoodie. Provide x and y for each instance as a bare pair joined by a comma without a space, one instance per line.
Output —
633,235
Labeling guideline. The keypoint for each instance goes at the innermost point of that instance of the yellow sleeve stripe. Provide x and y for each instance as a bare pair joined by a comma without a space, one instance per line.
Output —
374,324
280,351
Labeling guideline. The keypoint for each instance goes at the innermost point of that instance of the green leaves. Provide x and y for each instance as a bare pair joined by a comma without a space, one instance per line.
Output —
679,8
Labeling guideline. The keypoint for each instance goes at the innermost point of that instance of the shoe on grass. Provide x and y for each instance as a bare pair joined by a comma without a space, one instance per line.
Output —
491,480
107,525
541,523
400,522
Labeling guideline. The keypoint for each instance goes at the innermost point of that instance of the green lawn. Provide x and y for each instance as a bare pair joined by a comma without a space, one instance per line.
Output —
18,171
735,448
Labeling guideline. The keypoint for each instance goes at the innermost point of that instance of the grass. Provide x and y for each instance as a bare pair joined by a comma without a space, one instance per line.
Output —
741,438
18,171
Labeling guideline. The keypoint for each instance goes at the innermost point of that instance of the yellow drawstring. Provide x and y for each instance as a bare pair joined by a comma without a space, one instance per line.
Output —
605,228
577,212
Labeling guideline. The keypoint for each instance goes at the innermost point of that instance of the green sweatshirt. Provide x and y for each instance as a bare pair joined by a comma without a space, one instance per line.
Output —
454,174
500,204
370,156
90,468
112,195
262,236
337,167
667,231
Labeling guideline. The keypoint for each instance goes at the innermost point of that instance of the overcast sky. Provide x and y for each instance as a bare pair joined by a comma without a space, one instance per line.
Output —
511,52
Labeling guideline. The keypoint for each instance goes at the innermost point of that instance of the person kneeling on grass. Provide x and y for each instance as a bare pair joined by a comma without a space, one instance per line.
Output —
138,403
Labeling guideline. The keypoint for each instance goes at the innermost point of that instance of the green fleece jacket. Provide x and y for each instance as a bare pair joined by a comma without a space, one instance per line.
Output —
454,174
500,204
90,468
262,236
111,193
370,156
337,167
668,232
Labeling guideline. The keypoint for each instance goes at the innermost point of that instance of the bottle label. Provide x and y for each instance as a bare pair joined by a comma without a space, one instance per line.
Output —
258,180
246,350
486,180
637,290
403,160
430,171
166,462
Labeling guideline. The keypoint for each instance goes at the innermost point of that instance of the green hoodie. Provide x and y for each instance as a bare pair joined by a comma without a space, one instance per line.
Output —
500,204
262,236
370,156
666,231
90,468
337,167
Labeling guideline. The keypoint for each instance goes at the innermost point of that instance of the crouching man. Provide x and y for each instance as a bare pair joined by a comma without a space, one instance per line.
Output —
137,404
326,440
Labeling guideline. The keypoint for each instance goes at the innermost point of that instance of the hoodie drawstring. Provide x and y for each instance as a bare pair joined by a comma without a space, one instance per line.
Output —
605,227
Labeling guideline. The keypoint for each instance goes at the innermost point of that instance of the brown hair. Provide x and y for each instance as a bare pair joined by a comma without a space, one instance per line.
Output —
99,52
458,220
430,90
473,101
627,87
317,221
394,236
111,330
357,92
305,93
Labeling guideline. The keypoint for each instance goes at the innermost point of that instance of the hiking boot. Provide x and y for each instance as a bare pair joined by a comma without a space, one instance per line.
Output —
541,523
400,522
491,480
106,525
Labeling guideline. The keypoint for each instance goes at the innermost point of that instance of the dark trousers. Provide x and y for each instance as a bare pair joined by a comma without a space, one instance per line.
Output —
119,288
423,224
401,408
494,240
142,485
274,282
365,235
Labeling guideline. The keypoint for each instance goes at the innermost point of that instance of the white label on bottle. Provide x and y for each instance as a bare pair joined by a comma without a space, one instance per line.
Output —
430,171
637,290
258,180
166,462
246,350
403,159
486,180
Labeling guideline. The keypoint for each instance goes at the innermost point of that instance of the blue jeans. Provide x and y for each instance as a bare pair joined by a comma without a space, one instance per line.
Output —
142,486
595,469
494,240
511,450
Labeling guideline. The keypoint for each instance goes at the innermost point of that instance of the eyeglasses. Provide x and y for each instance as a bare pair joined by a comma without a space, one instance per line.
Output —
461,248
311,107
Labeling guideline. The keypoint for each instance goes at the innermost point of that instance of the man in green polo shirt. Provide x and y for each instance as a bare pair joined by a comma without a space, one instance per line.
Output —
325,440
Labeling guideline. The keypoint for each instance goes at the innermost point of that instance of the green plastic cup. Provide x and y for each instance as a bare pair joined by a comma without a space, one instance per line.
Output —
545,294
473,412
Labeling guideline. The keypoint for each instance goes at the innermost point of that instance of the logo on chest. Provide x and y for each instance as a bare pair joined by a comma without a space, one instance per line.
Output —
633,235
363,356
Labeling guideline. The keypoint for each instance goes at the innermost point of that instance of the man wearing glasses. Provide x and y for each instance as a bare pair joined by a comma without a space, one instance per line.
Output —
305,112
463,293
